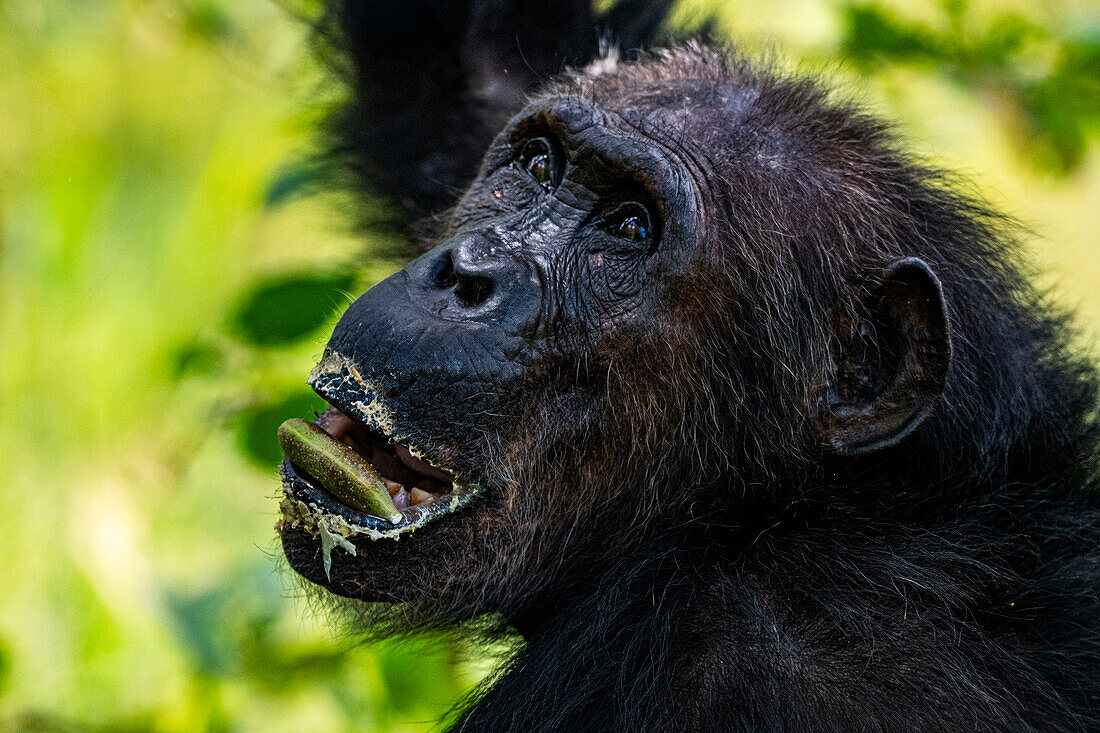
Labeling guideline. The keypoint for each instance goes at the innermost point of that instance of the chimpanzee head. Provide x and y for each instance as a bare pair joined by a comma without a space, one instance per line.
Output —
677,290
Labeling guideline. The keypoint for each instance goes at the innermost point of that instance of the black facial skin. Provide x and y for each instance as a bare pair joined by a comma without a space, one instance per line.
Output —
767,430
540,264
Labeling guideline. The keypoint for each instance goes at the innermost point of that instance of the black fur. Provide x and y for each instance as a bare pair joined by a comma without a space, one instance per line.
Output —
950,582
432,81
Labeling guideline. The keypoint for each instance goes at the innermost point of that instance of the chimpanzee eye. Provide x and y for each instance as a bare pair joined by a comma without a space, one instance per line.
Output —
538,159
631,222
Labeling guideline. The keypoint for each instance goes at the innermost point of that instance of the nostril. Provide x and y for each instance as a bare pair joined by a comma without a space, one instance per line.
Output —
469,290
445,276
473,290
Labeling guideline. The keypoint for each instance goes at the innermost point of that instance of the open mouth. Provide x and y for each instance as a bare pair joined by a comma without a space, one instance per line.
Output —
342,478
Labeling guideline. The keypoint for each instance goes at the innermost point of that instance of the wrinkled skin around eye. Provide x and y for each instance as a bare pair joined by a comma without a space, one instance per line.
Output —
561,199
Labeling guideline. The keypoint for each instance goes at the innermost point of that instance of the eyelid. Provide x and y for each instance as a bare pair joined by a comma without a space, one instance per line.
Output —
616,216
626,209
553,151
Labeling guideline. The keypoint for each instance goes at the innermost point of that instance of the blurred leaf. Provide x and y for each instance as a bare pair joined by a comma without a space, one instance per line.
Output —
195,358
1006,37
418,673
221,624
209,21
256,426
293,180
282,310
869,31
199,625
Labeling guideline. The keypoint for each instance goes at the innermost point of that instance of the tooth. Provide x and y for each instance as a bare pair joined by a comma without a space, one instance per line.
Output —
401,499
418,496
339,469
392,487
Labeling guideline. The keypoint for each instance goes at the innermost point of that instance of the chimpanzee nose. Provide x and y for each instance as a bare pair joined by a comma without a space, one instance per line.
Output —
471,277
468,278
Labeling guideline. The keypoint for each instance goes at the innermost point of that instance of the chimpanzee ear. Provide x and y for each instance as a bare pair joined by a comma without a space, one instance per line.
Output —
892,366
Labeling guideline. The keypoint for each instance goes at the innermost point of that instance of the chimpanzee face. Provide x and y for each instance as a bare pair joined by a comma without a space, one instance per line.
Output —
575,231
540,367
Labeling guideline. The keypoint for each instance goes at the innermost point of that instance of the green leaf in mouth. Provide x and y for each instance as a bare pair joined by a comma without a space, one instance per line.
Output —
342,471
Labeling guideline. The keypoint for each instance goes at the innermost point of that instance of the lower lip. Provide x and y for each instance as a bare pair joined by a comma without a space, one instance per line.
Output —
319,505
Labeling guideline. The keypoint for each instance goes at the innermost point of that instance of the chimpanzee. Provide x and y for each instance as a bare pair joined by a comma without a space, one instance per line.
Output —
733,413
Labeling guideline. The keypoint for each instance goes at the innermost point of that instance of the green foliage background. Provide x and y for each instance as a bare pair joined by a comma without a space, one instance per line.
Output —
166,282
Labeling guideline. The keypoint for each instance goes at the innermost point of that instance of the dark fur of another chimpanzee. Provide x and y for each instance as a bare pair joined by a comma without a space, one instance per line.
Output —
432,83
695,558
